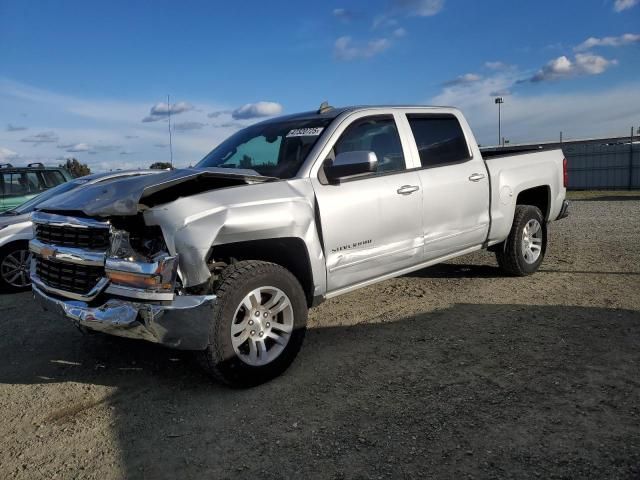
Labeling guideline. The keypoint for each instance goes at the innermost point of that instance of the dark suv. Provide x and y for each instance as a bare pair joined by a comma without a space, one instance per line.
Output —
19,184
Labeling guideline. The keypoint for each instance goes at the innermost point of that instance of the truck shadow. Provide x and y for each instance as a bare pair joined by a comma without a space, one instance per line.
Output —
481,390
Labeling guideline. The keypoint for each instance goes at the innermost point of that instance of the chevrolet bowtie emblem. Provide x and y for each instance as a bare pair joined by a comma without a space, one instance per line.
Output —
48,252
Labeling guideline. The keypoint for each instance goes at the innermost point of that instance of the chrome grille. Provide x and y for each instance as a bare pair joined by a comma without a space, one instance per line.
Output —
69,277
67,236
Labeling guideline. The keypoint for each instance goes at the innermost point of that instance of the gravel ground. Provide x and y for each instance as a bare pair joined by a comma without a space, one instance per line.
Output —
451,372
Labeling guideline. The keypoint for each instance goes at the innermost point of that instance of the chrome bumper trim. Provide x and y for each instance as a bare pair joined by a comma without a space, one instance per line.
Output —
67,254
138,293
182,324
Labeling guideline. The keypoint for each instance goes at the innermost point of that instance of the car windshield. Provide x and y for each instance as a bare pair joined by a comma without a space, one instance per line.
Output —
31,204
273,149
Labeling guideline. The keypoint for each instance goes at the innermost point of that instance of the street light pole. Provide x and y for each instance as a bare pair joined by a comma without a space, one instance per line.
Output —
499,101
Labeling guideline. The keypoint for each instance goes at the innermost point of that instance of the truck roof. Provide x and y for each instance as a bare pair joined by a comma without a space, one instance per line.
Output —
333,112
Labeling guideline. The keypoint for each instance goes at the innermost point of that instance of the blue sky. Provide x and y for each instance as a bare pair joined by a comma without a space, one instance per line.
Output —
88,79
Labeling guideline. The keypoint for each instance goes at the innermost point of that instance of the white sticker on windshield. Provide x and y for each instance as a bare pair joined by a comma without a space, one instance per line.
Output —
305,132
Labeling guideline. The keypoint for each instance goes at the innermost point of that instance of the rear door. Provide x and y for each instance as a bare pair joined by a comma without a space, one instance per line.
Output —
371,225
455,185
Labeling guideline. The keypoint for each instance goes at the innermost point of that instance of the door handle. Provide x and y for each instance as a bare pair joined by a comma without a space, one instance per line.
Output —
408,189
476,177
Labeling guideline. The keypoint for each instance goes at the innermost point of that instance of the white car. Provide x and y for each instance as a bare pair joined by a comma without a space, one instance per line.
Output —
16,229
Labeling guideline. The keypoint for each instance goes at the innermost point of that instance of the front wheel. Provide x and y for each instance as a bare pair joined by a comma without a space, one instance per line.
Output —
15,260
258,325
522,252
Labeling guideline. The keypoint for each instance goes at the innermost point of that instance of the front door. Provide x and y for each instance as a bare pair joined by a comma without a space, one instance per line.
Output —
371,225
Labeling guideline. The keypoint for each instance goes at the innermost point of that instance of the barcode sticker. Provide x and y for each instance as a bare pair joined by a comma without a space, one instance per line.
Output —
305,132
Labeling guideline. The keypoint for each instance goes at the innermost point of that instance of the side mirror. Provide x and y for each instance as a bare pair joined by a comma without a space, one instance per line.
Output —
349,164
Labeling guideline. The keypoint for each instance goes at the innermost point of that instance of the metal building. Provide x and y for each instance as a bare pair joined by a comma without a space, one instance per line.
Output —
594,163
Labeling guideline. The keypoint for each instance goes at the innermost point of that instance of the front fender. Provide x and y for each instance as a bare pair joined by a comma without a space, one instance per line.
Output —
193,225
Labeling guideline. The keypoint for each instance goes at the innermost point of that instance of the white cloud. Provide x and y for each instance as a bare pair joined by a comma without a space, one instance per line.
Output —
621,5
495,65
465,79
383,21
76,147
38,138
176,108
500,93
219,113
620,41
160,111
344,49
109,126
257,110
96,149
6,155
184,126
528,116
399,32
590,64
562,67
421,8
343,14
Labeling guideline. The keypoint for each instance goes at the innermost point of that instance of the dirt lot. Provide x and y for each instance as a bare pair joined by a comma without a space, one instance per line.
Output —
450,372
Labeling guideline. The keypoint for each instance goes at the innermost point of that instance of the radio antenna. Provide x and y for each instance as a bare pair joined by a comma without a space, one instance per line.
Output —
170,143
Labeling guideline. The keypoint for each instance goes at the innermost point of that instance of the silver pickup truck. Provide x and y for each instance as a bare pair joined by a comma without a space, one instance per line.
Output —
227,257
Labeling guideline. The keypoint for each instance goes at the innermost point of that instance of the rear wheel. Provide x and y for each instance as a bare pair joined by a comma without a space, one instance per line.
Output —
15,260
258,325
523,251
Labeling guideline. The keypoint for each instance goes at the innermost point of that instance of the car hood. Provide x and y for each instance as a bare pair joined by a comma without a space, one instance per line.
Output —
128,196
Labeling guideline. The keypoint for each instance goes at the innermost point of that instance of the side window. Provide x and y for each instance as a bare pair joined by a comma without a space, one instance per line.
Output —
15,184
13,187
52,178
376,134
439,139
34,183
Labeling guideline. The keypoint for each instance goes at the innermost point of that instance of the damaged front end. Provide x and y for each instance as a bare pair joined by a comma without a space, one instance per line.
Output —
118,277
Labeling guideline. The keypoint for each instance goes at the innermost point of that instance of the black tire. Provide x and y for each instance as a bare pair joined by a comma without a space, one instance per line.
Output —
510,253
5,251
235,282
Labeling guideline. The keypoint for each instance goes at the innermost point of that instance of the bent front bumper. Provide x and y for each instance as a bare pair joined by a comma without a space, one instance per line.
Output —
182,323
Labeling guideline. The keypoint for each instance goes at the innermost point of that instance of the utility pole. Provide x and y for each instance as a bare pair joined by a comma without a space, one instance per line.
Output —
499,101
170,143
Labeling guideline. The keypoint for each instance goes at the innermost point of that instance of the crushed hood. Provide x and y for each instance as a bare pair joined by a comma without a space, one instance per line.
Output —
127,196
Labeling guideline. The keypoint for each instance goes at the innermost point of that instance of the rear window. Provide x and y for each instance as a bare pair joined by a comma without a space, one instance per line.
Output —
52,178
439,139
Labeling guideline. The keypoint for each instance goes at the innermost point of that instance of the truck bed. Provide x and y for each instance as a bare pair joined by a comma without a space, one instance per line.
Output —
511,174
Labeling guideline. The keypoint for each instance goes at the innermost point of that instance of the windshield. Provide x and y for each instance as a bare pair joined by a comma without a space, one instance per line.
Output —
274,149
31,204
